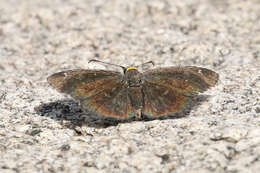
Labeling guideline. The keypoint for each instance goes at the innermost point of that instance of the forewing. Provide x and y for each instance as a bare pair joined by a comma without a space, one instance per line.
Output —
188,80
160,100
99,91
83,83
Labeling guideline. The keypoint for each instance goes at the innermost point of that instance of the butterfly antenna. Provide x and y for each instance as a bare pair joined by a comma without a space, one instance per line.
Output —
149,62
94,60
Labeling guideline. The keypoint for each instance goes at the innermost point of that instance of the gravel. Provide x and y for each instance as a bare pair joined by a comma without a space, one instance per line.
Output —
42,130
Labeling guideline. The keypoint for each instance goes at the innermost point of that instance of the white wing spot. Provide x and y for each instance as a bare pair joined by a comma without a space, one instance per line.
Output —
166,92
65,75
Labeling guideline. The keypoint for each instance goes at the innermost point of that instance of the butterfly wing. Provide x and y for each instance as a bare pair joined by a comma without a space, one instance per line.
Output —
168,90
161,100
99,91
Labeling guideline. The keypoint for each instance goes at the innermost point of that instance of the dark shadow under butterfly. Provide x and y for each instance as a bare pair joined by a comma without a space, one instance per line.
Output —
155,93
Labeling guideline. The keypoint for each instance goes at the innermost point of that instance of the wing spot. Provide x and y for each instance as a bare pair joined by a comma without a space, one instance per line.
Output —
65,75
113,89
166,92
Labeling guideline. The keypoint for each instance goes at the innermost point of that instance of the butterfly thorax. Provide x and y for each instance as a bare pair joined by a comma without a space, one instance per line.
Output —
133,77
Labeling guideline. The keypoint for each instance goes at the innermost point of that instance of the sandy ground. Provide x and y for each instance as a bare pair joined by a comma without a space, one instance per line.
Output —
42,130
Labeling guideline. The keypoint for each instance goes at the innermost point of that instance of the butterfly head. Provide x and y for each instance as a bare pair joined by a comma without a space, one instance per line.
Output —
133,77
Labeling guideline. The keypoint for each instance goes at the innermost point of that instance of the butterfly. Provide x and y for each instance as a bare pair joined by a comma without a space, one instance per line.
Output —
154,93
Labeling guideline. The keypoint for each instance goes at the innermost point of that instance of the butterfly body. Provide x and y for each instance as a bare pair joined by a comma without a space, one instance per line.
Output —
154,93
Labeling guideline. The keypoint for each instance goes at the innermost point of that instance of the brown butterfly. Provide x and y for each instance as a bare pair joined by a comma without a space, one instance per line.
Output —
154,93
